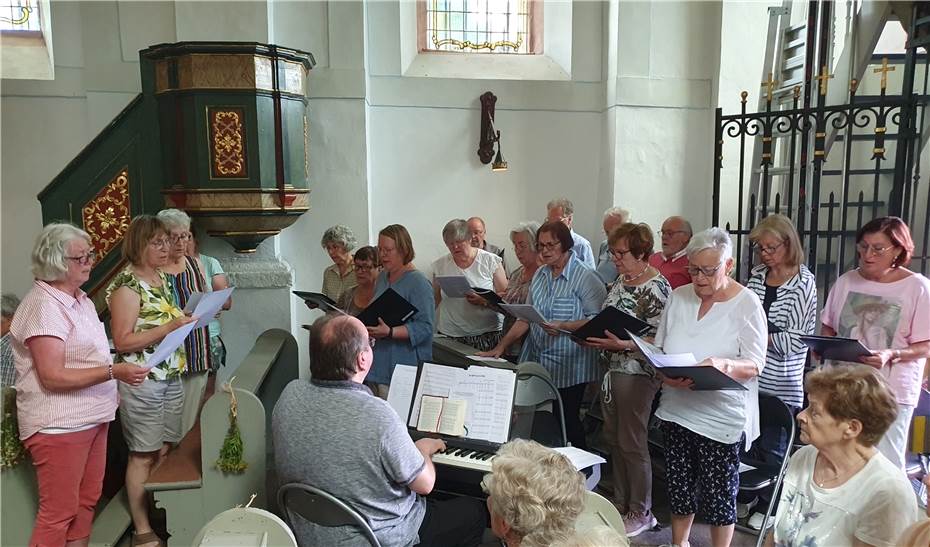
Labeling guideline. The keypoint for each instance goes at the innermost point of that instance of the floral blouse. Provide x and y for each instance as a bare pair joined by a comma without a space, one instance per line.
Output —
516,293
646,301
157,307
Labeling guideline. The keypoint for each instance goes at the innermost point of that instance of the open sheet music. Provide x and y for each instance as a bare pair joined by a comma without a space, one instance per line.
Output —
685,365
834,347
487,393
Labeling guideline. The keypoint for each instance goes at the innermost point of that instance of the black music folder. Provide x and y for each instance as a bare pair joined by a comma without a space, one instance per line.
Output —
321,301
489,295
614,320
391,307
684,365
834,347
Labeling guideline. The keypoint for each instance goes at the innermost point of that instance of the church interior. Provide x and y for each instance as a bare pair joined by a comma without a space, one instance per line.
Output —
268,122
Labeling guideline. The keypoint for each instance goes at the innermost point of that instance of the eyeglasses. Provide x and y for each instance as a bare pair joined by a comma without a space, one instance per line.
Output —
548,246
766,250
619,254
371,341
670,232
179,237
693,271
84,260
864,248
364,267
160,243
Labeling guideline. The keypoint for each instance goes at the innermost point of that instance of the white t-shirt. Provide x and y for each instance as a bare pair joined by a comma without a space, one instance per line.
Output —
735,329
875,506
456,316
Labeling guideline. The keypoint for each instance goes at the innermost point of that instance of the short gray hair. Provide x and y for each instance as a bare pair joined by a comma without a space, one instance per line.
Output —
174,219
711,238
529,229
8,304
339,235
566,204
455,230
48,254
618,212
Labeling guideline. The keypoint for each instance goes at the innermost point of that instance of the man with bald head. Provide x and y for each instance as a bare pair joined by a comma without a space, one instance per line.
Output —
562,210
332,433
477,230
671,261
613,217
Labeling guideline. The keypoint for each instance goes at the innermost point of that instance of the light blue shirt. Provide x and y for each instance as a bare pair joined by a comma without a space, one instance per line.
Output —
212,267
606,268
582,249
416,289
576,293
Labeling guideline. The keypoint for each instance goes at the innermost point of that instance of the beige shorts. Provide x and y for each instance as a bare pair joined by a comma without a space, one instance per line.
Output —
151,413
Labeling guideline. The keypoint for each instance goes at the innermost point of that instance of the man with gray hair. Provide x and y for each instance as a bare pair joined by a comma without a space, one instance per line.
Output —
331,432
672,261
613,217
562,210
477,230
7,369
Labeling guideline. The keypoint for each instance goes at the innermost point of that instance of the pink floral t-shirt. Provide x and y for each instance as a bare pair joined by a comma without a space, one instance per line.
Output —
884,316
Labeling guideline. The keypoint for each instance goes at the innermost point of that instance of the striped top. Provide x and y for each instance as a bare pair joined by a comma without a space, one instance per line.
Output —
793,313
576,293
197,343
47,311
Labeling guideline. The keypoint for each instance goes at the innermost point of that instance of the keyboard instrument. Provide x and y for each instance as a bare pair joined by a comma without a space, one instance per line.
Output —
464,458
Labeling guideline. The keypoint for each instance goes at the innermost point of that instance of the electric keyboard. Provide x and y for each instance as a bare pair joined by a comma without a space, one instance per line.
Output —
464,458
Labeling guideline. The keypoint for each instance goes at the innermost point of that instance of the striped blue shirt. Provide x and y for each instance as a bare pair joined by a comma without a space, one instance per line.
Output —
793,313
576,293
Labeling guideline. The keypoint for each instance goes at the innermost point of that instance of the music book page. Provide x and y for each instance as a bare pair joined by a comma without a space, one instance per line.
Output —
442,415
489,392
435,380
400,395
455,286
525,312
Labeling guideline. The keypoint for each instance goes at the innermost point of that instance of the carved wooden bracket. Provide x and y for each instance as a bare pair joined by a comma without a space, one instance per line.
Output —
486,136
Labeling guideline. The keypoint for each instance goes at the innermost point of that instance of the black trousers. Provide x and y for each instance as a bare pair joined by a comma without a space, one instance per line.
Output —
456,522
571,400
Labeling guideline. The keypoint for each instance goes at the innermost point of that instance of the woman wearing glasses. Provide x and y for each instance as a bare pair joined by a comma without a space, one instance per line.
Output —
187,276
788,292
567,294
143,312
883,295
722,324
367,268
65,393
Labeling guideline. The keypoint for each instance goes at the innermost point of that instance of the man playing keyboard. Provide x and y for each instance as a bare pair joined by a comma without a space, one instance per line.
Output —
332,433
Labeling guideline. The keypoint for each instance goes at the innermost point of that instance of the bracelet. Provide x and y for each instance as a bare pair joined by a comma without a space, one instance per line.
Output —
897,355
390,332
110,371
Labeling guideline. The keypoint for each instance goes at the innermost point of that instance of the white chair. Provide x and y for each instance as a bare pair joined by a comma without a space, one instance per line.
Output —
598,511
245,527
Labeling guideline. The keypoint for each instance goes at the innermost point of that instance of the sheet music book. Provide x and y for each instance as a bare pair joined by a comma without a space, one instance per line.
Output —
525,312
442,415
834,347
400,395
455,286
684,365
391,307
490,296
488,393
321,301
614,320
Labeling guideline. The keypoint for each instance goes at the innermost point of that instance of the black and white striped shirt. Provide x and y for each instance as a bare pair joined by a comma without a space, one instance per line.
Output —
793,313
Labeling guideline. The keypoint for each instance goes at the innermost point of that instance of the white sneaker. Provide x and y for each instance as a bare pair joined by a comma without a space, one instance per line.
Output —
743,510
755,521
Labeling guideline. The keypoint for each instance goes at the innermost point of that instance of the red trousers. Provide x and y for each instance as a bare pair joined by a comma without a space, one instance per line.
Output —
69,468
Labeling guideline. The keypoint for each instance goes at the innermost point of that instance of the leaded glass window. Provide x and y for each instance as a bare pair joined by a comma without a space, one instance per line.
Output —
479,26
19,15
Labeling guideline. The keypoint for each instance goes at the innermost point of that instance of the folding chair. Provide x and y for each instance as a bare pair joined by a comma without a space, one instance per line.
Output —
321,508
534,389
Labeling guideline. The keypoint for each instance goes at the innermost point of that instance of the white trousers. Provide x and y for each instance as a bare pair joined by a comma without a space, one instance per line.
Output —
894,442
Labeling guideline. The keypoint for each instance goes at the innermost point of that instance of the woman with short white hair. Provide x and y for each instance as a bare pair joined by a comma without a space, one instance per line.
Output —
468,320
523,238
339,242
723,325
534,495
65,393
187,276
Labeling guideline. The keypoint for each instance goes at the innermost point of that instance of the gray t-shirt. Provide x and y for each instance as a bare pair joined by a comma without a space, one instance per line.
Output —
338,437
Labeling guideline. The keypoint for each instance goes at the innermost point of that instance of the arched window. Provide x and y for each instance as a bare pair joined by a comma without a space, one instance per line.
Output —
480,26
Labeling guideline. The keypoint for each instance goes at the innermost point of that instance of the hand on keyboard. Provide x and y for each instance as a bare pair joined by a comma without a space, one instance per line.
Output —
429,446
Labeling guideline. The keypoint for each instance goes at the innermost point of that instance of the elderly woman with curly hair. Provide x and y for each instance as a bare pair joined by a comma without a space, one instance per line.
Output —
65,394
338,241
534,495
839,489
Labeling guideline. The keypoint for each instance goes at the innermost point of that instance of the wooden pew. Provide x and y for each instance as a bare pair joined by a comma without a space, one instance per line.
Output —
187,484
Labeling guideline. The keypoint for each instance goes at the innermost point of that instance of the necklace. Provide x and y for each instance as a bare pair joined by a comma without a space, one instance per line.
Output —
627,278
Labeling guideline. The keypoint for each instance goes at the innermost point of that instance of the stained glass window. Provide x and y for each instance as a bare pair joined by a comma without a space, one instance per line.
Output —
478,26
19,15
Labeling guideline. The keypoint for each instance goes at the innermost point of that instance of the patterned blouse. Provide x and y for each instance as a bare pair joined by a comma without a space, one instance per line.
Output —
516,293
156,308
197,343
646,302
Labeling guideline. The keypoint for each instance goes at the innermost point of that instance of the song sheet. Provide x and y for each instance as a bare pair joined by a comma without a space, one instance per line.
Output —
403,381
489,392
435,380
169,343
209,305
455,286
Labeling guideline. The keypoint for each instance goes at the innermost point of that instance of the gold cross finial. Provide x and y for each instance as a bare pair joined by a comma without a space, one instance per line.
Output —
824,76
770,85
885,69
